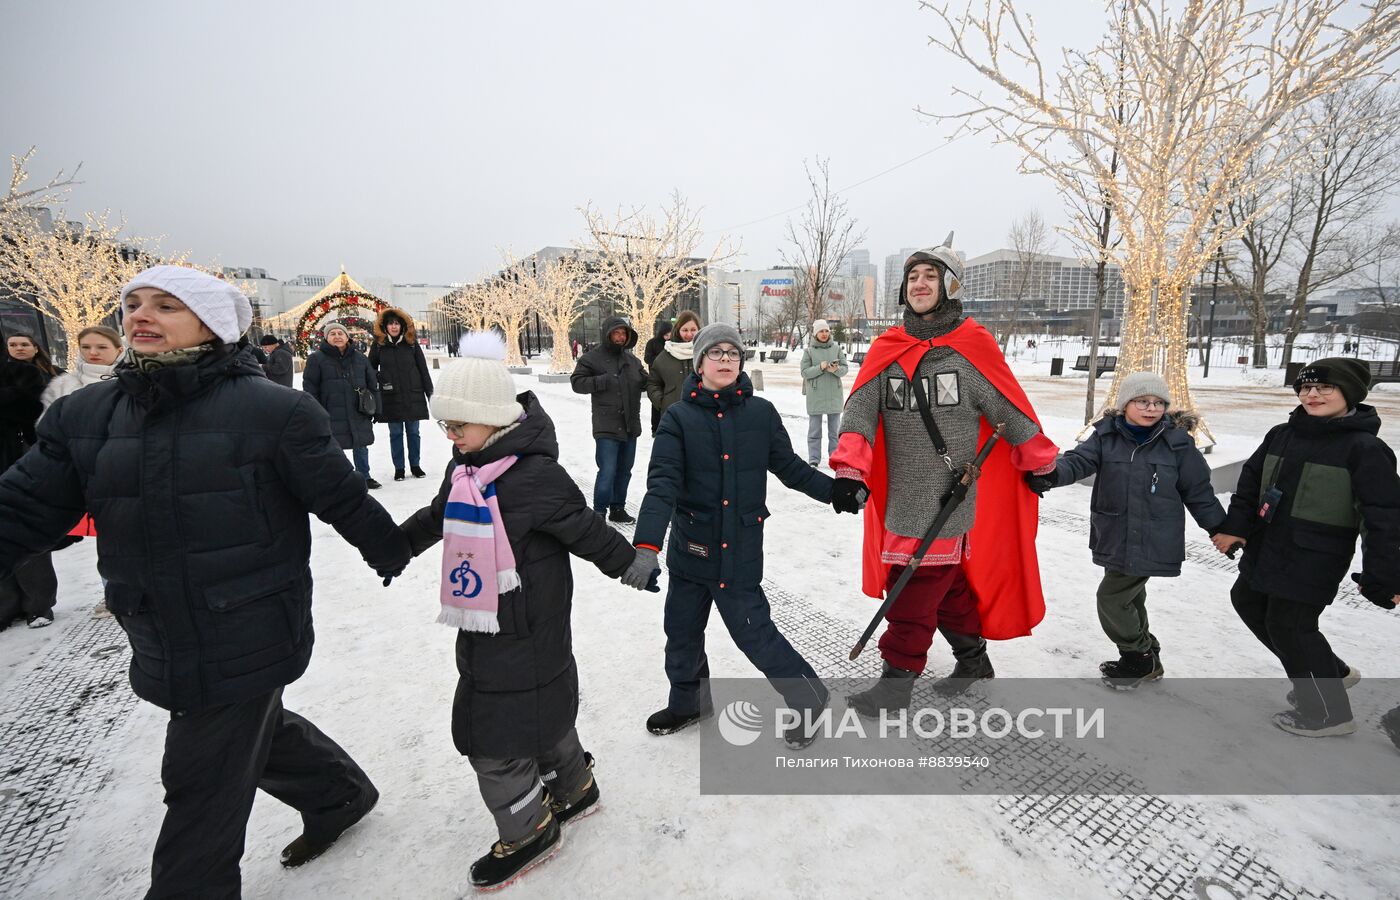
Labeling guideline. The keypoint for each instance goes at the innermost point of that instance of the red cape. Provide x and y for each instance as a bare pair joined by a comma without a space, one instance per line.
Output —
1003,571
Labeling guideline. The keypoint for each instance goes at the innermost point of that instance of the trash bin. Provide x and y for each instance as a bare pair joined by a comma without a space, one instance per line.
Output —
1057,365
763,356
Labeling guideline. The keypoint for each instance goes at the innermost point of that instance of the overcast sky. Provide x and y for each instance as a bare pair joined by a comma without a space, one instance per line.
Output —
410,139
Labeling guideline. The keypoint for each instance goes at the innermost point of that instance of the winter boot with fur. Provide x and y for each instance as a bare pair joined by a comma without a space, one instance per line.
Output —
970,650
890,693
1131,670
507,861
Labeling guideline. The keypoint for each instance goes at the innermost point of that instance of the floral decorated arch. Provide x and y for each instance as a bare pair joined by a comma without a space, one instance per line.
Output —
339,305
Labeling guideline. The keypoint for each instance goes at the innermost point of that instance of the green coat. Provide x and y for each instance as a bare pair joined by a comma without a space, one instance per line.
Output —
665,379
825,394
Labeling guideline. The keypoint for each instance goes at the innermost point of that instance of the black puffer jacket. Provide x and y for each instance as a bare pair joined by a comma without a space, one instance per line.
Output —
708,480
331,376
518,693
21,384
1142,492
401,369
616,379
280,366
199,479
1338,480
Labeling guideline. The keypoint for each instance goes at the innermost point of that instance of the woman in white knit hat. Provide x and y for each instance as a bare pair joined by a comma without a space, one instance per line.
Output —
199,474
509,516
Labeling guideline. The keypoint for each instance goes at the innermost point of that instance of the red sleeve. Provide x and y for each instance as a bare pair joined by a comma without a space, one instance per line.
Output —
1035,455
853,456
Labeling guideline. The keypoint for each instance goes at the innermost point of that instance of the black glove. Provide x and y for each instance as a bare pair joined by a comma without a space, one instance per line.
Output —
848,495
389,574
1371,590
1041,483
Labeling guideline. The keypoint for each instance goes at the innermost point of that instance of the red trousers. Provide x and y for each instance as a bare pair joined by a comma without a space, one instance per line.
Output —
936,596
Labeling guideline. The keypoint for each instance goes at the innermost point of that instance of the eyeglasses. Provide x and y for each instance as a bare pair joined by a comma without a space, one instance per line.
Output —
1323,390
1141,403
717,354
452,429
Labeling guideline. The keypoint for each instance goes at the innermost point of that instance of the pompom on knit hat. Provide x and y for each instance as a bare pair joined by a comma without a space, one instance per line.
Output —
1351,376
219,305
476,387
718,333
1143,384
819,326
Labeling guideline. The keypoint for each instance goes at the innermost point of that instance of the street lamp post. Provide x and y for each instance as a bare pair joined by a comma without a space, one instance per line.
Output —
1210,330
738,304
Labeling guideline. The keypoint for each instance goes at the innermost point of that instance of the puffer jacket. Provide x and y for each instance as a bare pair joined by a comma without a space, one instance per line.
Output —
199,478
708,482
517,694
83,374
405,384
1338,482
21,386
332,377
1137,510
615,379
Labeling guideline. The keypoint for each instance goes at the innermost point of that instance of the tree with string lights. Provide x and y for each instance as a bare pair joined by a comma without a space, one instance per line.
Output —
645,261
1212,84
557,289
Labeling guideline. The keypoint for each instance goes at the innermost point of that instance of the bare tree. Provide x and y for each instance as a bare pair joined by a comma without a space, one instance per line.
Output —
1265,223
1353,166
1030,242
1211,84
51,192
646,262
819,243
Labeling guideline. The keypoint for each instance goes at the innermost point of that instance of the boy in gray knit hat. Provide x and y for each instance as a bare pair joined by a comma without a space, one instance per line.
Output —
1149,474
706,485
926,397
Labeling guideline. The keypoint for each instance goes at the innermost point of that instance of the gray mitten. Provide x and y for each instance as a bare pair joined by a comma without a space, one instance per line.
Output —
638,574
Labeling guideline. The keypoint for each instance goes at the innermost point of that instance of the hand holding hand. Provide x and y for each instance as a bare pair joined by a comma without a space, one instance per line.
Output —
1041,483
639,573
1375,592
1227,543
848,495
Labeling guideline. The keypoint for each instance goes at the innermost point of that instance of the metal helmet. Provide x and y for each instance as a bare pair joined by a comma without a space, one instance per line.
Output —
944,256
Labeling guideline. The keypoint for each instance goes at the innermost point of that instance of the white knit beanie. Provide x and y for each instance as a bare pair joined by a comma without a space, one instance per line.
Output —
1143,384
219,305
819,326
476,387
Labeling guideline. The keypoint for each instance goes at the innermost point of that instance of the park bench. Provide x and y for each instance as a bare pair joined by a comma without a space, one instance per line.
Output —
777,356
1383,371
1106,364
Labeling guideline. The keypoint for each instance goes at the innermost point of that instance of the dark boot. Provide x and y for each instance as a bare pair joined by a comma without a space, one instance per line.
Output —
973,663
619,514
667,722
508,861
1131,670
398,475
417,471
1390,724
891,692
582,802
303,850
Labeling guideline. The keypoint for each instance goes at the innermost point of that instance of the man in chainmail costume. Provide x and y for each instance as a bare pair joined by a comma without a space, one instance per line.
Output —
980,577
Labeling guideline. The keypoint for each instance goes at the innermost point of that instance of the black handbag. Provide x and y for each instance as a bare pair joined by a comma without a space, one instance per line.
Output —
364,400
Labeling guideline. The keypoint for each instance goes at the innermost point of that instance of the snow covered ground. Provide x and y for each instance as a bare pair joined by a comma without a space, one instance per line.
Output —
382,679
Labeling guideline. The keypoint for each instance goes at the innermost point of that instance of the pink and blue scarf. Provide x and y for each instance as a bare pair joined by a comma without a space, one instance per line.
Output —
477,563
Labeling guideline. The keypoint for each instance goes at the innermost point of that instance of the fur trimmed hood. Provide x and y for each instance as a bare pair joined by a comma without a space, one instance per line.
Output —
381,335
1184,419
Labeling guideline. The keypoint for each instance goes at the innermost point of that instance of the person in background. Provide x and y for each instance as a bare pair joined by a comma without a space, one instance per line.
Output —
30,592
200,474
1149,475
1316,483
279,366
405,386
823,366
654,346
615,379
672,366
340,378
98,350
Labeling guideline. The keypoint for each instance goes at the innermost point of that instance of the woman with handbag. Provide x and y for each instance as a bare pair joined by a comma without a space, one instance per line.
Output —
342,380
